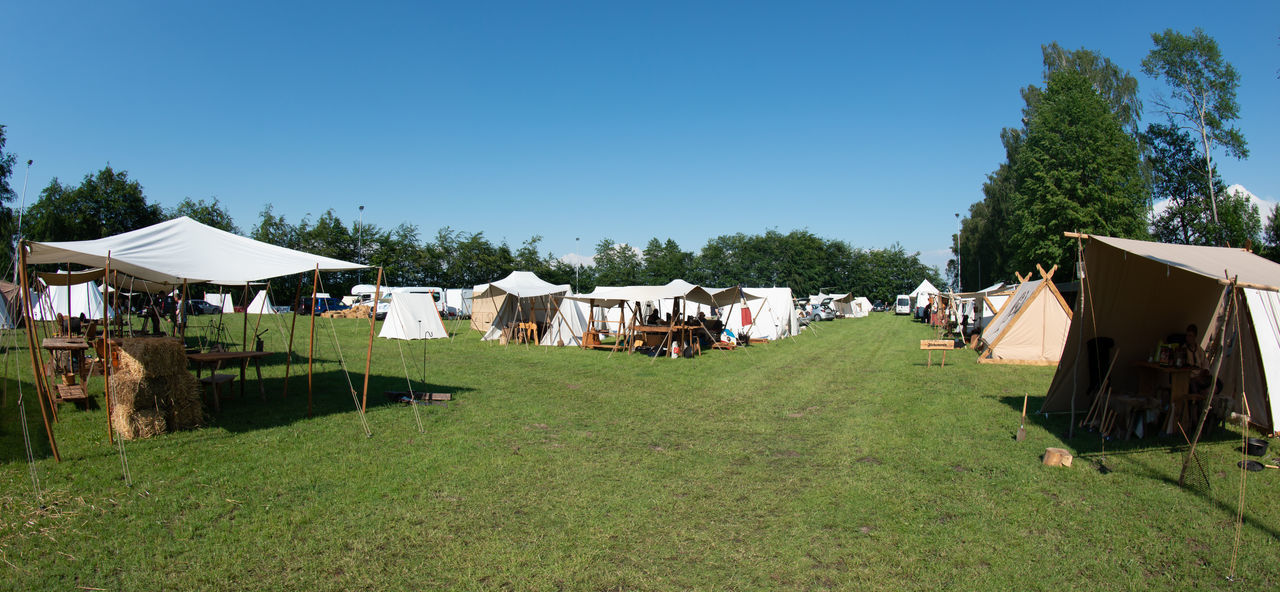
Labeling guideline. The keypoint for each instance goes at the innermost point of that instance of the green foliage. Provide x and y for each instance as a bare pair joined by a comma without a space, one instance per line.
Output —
617,264
8,228
104,204
1116,85
1202,98
1078,171
207,213
1177,174
1271,236
664,261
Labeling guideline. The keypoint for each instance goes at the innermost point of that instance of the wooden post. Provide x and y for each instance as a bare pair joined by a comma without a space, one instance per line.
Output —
244,334
311,337
288,355
37,371
373,318
106,348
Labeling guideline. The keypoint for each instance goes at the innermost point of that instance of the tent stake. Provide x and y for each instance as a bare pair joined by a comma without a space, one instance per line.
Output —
37,371
373,318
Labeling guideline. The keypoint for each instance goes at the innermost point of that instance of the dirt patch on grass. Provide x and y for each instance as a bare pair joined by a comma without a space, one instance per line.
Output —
870,460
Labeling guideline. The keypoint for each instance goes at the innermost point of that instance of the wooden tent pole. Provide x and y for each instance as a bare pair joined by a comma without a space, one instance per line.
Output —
258,323
591,321
42,332
311,337
288,355
244,333
106,348
1230,304
373,318
36,370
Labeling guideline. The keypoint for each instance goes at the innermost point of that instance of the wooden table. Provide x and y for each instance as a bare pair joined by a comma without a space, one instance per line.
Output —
74,347
216,359
665,335
1150,377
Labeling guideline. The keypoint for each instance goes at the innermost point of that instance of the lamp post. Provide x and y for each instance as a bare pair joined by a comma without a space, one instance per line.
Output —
959,227
17,243
360,244
577,261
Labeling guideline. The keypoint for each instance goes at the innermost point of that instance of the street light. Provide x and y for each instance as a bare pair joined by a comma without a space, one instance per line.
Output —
17,244
360,244
959,228
577,261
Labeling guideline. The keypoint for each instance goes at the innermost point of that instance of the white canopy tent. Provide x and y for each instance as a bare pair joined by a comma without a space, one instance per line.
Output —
861,307
568,325
413,316
84,299
522,295
926,288
222,301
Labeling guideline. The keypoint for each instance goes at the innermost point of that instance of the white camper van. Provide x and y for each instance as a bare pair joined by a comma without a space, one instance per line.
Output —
903,306
365,294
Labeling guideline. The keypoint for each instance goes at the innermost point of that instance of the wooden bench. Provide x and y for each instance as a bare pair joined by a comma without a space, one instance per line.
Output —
943,345
216,381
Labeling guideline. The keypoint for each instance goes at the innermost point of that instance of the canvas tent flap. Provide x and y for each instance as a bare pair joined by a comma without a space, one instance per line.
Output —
261,304
412,316
1209,262
183,249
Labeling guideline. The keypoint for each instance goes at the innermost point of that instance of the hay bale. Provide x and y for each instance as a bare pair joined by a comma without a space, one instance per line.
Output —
133,424
152,391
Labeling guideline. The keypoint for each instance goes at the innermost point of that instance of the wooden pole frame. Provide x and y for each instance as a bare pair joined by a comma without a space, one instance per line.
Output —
37,370
288,355
106,348
311,338
373,319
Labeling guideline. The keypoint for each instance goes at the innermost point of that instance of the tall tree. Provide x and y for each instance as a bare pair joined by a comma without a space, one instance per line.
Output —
7,227
104,204
1078,170
1115,84
1202,87
208,213
617,264
664,261
1177,175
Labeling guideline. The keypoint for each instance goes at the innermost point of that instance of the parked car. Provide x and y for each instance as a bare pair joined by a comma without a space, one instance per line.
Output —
323,305
877,306
823,311
200,307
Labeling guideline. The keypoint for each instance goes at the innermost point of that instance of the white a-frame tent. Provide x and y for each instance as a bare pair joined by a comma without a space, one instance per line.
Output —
261,304
568,325
1031,328
413,316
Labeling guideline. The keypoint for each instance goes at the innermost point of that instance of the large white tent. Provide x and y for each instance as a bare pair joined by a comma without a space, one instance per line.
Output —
181,250
861,307
521,296
568,325
926,288
413,316
1136,293
773,315
84,299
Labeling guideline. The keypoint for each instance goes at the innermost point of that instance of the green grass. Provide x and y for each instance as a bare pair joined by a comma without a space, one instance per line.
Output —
834,460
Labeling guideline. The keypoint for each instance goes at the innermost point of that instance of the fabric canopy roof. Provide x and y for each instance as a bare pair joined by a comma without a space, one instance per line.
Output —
183,249
1211,262
674,289
522,284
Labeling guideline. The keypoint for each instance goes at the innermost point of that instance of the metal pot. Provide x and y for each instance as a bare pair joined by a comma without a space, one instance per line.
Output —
1256,446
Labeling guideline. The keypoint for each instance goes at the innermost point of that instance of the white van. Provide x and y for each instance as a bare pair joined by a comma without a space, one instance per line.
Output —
364,293
903,306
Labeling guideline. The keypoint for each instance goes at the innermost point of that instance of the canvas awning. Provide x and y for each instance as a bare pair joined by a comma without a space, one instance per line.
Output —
183,249
609,297
522,284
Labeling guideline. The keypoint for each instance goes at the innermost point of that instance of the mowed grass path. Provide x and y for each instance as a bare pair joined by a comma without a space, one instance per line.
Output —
834,460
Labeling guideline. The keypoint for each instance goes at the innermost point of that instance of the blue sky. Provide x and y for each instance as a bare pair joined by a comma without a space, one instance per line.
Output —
870,124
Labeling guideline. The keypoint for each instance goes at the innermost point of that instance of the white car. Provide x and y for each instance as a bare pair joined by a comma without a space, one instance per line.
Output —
903,306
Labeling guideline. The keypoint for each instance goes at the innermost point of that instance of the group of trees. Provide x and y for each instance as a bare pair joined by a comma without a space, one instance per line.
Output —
1082,162
109,202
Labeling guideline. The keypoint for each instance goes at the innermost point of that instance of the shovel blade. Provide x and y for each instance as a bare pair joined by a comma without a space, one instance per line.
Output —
1022,434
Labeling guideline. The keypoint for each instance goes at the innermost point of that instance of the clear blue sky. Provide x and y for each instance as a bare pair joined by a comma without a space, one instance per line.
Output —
870,124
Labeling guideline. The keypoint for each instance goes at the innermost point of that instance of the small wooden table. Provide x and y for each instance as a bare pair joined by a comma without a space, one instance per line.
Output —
216,359
73,347
1149,377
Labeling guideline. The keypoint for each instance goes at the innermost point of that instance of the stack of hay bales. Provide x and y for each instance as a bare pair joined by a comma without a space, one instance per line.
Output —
359,311
151,391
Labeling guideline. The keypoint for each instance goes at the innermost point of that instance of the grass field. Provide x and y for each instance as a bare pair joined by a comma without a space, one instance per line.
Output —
834,460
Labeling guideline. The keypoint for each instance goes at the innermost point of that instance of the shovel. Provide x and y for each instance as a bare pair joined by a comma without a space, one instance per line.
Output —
1022,425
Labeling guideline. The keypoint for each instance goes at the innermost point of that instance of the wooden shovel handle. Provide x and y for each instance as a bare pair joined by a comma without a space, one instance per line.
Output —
1024,404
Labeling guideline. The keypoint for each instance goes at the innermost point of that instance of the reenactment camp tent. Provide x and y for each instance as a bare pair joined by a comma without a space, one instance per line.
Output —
1136,293
520,297
925,288
85,298
773,315
9,305
861,307
568,324
261,304
1031,328
458,301
222,301
412,316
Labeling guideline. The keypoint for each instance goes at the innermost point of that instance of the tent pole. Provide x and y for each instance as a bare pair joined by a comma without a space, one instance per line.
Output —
373,318
244,333
1229,302
311,337
44,379
288,356
37,371
106,349
591,321
182,312
258,323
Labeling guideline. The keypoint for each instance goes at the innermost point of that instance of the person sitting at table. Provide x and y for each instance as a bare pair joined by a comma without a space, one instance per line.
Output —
654,318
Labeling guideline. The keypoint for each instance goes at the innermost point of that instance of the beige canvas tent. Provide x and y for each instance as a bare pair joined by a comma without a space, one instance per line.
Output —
1031,328
1136,293
520,297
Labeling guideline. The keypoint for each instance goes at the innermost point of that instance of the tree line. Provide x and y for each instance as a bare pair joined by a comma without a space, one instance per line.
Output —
108,202
1081,161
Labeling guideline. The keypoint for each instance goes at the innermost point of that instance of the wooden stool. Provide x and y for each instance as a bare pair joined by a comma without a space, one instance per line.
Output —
216,381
